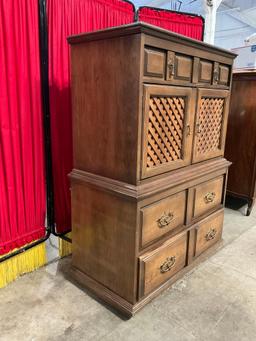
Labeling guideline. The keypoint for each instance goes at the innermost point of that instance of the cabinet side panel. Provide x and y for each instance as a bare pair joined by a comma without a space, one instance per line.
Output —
103,239
105,103
241,135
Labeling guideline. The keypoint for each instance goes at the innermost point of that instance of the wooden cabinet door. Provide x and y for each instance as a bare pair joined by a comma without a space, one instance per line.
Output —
211,124
168,128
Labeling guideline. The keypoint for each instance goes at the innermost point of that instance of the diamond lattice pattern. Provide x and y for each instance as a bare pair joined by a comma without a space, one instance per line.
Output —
210,124
165,130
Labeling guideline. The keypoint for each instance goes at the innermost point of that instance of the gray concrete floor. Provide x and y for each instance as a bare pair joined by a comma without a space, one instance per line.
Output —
215,301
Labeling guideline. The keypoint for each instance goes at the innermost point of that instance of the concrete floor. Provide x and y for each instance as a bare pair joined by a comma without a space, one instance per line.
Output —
215,301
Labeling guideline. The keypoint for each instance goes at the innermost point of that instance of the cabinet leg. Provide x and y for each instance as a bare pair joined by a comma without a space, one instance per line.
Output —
251,202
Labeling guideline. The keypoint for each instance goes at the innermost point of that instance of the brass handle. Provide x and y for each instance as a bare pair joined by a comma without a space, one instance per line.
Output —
209,197
216,76
171,67
198,131
188,130
168,264
165,219
210,235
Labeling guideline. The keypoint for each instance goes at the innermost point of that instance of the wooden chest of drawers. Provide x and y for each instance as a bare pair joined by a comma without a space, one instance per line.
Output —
149,179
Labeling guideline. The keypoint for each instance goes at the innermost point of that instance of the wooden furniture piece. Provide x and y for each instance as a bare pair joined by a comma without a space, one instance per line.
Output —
148,185
241,138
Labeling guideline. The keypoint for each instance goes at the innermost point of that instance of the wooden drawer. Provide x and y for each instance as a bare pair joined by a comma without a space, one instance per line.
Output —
224,74
179,67
204,73
211,73
158,266
154,63
207,196
208,232
162,217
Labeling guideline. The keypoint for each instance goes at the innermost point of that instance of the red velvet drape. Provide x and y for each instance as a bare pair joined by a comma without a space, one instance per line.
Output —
67,17
22,180
189,25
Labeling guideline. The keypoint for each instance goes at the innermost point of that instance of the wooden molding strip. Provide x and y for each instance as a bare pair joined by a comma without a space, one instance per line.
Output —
152,30
153,185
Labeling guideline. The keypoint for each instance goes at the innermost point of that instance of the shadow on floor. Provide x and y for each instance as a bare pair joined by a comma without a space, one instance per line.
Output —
235,203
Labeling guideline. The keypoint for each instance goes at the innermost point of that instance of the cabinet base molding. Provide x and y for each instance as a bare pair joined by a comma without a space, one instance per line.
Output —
122,306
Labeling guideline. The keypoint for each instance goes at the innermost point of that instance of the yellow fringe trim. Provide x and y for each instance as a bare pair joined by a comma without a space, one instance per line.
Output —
65,248
27,261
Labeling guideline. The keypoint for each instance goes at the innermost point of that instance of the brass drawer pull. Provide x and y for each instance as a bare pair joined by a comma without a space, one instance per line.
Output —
171,66
210,235
168,264
165,219
209,197
216,76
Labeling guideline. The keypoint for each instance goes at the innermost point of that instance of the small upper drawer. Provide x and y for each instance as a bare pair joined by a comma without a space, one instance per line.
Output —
205,71
207,196
179,67
163,216
158,266
154,63
208,72
224,74
208,232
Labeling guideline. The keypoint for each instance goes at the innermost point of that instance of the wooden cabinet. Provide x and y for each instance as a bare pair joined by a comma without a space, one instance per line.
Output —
241,138
148,184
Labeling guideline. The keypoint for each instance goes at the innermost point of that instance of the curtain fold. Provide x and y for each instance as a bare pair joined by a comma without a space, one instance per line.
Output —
22,178
191,26
67,17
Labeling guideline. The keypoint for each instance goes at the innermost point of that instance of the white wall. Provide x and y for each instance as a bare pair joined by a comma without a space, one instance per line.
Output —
230,32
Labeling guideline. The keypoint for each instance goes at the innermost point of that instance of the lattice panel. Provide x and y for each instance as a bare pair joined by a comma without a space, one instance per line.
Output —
165,130
210,125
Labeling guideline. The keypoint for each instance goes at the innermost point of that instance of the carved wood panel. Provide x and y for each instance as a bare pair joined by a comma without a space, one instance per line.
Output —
167,129
211,124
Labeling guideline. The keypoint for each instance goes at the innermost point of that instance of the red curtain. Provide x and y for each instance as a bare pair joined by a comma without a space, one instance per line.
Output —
189,25
22,180
67,17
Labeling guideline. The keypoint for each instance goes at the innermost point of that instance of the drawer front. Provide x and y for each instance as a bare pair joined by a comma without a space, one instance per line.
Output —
163,216
208,232
207,196
224,75
154,63
179,67
205,71
160,265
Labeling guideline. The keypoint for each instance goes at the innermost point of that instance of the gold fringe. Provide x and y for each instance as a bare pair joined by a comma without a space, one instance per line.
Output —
26,261
65,248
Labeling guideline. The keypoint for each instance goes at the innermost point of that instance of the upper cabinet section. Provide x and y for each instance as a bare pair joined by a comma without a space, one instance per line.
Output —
171,63
146,101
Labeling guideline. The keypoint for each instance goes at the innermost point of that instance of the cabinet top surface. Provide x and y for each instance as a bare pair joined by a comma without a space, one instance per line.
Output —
140,27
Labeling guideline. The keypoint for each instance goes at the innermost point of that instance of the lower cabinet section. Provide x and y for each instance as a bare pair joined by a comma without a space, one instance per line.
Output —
158,266
131,243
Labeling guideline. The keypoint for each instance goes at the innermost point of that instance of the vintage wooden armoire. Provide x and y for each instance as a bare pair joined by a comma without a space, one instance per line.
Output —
148,186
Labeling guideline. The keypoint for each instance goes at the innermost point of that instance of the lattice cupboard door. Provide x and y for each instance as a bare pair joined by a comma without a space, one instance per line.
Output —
168,128
211,124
